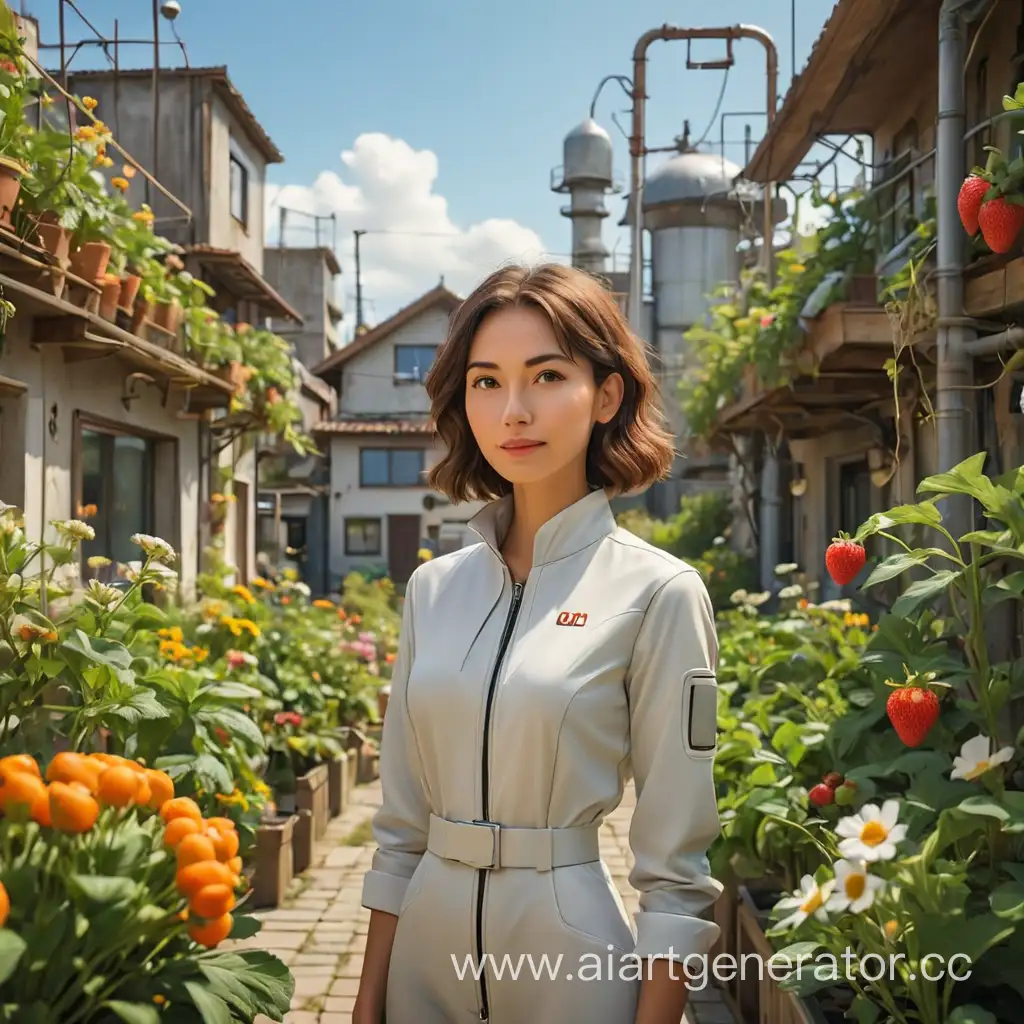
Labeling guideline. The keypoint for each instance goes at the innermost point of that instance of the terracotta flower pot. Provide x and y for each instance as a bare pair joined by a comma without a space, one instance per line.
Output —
89,261
52,237
10,185
139,315
111,292
167,315
129,289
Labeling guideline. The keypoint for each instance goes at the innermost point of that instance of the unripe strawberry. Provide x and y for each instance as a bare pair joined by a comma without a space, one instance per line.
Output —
846,793
833,779
820,795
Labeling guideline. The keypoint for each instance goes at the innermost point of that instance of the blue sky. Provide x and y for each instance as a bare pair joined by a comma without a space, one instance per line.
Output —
489,89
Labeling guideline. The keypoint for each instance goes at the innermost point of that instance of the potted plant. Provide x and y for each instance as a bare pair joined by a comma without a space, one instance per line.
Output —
13,127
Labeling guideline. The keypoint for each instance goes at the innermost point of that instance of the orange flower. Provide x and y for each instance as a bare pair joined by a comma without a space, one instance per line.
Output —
72,808
128,171
90,103
213,932
5,905
121,184
118,787
181,807
323,603
30,633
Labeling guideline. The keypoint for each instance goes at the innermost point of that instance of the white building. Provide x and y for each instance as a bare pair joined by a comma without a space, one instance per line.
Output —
382,444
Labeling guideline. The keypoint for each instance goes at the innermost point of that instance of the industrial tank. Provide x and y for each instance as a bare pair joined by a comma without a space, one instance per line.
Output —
587,176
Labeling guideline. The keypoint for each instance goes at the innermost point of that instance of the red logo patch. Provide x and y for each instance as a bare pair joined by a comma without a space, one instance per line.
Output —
572,619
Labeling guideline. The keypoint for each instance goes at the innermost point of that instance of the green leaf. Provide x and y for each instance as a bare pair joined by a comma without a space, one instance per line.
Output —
134,1013
102,888
12,946
212,774
894,566
923,514
971,1014
966,478
212,1009
1008,588
923,592
245,927
1007,900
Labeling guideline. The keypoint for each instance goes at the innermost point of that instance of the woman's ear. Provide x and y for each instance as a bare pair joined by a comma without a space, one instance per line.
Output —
609,398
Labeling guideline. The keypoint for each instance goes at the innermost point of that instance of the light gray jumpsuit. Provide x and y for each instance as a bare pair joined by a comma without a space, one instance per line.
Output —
529,706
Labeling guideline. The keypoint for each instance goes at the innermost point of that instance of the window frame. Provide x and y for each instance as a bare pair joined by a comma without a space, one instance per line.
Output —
390,452
234,160
399,379
83,422
363,521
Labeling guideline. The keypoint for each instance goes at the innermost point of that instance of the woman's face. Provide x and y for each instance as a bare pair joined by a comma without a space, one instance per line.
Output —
530,407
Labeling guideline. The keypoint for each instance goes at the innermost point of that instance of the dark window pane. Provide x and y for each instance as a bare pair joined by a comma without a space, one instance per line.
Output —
374,467
406,467
131,510
413,361
362,536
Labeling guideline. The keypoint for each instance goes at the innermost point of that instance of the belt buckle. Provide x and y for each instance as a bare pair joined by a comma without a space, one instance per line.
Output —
495,830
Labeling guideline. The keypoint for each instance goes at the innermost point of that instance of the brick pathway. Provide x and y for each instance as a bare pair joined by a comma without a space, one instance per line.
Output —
321,931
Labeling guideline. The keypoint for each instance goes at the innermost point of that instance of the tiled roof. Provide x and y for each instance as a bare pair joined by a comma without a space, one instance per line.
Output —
396,427
437,296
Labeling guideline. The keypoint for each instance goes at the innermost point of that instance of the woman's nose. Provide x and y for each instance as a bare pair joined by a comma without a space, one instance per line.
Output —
516,409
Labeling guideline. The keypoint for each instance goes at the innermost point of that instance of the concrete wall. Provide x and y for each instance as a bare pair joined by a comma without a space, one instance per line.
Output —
227,140
39,437
367,381
349,500
302,278
181,165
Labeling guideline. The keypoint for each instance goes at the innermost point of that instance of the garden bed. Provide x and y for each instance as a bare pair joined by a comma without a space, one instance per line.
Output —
313,795
273,867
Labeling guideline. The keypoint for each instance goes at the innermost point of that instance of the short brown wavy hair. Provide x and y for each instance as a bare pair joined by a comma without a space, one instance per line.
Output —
629,453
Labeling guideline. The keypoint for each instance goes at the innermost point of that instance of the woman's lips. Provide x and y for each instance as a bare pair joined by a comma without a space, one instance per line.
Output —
521,446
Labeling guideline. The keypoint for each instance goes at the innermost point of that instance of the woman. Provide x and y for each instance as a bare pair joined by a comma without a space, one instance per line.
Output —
537,670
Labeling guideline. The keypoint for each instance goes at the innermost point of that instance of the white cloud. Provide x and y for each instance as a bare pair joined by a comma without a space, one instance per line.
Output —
386,185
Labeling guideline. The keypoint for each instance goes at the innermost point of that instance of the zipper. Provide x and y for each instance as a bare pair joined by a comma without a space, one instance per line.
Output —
506,636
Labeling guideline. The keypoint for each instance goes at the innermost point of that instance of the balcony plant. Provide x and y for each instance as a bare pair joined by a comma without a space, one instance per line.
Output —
116,895
13,127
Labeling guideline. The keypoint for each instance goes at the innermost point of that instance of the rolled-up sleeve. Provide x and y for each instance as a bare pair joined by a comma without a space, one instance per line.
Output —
673,697
400,825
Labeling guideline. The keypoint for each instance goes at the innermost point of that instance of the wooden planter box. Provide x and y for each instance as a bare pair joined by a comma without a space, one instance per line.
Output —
303,843
311,794
274,862
337,785
759,1000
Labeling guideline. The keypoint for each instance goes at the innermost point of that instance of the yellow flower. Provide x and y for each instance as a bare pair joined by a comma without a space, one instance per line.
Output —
244,593
143,216
129,171
322,603
86,133
199,654
260,583
46,100
101,129
316,677
424,554
90,103
797,268
107,162
121,184
235,799
173,633
172,650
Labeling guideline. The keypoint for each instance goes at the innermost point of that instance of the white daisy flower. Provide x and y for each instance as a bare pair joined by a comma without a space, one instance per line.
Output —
786,569
154,547
807,901
975,758
75,529
855,888
793,590
872,834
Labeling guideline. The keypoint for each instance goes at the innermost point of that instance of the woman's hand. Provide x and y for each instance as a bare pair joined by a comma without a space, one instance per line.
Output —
373,983
366,1011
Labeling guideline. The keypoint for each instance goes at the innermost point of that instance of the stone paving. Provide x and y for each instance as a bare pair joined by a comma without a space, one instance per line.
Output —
320,932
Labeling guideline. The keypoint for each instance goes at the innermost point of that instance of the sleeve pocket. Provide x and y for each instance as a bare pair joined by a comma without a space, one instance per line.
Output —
700,713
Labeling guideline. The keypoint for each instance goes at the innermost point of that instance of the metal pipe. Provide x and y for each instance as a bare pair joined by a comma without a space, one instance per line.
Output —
156,95
669,33
954,368
990,344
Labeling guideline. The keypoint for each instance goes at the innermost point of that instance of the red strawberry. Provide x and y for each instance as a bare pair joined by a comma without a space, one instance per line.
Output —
972,191
1000,222
844,558
913,711
820,795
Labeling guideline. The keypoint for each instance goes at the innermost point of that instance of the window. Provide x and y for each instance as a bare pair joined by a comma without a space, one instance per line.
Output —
854,495
239,191
115,485
362,537
412,362
391,467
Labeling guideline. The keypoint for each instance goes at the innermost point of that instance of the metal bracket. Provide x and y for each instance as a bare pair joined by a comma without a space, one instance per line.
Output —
130,391
710,65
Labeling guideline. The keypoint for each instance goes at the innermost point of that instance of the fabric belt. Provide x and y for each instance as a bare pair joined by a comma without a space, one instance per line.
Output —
486,845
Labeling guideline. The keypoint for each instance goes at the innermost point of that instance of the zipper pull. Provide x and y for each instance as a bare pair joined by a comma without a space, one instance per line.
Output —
517,591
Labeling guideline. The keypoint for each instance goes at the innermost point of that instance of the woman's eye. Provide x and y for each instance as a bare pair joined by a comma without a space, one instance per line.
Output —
550,375
484,383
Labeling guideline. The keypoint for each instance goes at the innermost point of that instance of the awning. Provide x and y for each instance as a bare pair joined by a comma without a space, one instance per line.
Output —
241,279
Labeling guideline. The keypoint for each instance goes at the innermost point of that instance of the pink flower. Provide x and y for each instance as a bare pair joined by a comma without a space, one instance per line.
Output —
768,319
236,659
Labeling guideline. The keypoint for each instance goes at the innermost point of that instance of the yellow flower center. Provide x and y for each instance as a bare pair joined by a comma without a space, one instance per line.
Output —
812,903
854,886
891,927
979,769
874,833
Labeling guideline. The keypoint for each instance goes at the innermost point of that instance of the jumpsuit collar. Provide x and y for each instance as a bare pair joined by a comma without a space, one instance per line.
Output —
578,526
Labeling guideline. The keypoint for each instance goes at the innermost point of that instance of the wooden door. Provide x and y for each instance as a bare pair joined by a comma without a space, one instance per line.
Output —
403,546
